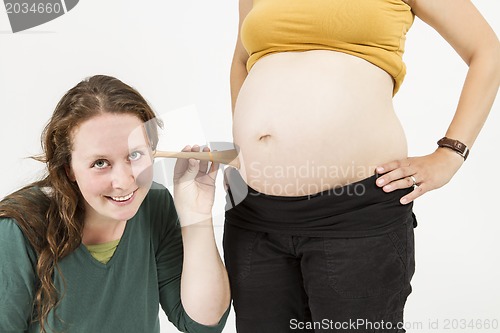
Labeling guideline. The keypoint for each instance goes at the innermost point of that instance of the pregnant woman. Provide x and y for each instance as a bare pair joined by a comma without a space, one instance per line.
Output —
324,236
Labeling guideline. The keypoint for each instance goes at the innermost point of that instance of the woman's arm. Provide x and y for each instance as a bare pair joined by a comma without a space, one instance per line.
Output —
205,293
17,278
240,57
463,27
205,290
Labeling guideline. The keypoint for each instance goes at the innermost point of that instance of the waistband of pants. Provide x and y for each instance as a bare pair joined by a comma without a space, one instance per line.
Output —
359,209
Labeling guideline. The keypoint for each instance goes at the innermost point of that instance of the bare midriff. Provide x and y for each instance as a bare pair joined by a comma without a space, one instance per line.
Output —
306,122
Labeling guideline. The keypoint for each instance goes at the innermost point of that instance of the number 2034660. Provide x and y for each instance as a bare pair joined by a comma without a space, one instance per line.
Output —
470,324
35,8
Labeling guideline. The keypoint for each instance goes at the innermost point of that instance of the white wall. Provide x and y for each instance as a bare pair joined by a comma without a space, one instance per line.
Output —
178,53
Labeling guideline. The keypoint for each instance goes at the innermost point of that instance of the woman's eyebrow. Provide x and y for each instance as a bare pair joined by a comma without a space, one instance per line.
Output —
102,156
97,157
143,146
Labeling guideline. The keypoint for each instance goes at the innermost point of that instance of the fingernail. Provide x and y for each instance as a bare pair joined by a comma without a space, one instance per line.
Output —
404,201
380,181
380,169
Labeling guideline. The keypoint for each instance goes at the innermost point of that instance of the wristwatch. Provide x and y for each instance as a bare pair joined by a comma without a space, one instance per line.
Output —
459,147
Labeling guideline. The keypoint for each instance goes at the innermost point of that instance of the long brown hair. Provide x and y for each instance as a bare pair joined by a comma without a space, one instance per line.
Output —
50,212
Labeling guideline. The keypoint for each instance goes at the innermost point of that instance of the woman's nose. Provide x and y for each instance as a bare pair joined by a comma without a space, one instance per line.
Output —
122,176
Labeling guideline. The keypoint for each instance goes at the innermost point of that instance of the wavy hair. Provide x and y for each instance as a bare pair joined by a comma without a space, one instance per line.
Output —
50,212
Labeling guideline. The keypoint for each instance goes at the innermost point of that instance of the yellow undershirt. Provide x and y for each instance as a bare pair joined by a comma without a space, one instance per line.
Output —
103,252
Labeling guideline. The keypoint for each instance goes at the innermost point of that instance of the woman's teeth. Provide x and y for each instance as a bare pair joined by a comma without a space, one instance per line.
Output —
125,198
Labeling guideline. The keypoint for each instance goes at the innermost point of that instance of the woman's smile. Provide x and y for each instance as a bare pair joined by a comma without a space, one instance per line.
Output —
122,200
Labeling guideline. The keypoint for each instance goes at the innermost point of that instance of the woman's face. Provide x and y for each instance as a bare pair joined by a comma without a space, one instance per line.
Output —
111,162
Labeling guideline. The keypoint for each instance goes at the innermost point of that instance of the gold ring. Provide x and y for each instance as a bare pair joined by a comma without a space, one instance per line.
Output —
414,180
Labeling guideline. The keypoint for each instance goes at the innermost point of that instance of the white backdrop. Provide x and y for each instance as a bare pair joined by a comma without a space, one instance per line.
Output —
178,54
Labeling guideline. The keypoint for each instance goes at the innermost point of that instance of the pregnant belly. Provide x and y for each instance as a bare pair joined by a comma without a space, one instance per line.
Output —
310,121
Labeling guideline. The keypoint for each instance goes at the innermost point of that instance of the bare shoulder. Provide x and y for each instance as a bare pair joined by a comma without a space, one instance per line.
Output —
458,21
443,10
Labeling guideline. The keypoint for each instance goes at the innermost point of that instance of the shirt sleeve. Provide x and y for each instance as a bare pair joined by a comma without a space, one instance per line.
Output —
169,265
17,278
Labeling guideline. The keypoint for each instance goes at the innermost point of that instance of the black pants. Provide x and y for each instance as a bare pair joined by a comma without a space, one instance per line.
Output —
283,283
337,261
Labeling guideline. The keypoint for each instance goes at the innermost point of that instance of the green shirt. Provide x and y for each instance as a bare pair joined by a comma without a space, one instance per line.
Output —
121,296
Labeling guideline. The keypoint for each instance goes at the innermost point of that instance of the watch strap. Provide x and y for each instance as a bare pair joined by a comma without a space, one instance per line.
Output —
459,147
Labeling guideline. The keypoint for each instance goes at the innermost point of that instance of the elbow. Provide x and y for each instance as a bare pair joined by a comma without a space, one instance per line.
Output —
217,317
212,317
216,313
207,305
487,57
496,57
492,53
495,64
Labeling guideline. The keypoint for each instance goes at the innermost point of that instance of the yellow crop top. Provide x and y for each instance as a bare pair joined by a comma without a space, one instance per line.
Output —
374,30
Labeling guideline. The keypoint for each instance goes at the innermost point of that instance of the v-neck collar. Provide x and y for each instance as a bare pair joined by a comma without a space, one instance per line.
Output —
118,251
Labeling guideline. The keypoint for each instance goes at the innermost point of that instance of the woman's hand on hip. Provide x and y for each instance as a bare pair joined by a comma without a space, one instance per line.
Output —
424,173
194,188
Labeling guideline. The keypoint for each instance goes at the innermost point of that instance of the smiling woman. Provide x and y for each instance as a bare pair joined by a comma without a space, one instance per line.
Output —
96,245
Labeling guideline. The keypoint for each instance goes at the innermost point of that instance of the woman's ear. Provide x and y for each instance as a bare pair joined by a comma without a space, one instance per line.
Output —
70,173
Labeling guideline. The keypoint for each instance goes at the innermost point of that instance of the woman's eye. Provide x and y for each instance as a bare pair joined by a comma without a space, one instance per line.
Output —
135,155
100,164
